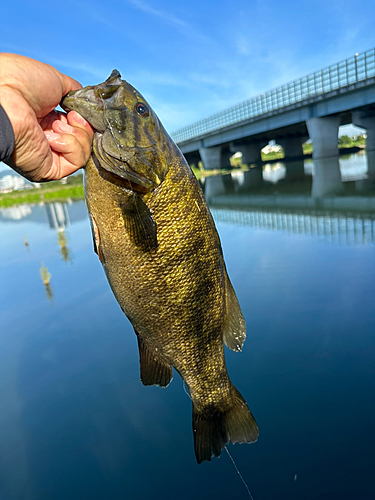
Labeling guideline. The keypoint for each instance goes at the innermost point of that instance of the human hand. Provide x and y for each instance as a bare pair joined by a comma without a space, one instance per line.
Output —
48,145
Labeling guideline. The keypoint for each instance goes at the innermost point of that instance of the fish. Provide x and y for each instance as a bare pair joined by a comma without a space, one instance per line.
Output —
157,241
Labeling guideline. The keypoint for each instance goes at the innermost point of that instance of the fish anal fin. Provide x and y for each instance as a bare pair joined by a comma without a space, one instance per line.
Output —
213,427
154,370
139,223
234,328
96,239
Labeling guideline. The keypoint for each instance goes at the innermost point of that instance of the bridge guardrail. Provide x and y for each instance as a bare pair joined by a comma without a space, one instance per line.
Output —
357,68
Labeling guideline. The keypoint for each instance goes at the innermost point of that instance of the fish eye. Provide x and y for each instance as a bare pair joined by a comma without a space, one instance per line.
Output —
142,109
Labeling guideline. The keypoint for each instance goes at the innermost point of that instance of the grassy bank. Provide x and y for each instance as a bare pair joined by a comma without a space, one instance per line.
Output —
51,191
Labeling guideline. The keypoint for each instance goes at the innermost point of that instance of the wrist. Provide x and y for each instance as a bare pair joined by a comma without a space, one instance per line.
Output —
19,113
6,136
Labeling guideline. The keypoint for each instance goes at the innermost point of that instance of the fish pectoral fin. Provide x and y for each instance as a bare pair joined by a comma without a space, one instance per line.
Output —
139,223
96,238
154,370
234,328
213,428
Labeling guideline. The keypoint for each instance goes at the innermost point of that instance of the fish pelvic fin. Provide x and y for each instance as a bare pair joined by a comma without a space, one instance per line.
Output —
234,328
154,370
96,239
214,428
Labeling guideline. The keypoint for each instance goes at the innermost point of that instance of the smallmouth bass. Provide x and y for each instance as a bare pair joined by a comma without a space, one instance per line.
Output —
157,241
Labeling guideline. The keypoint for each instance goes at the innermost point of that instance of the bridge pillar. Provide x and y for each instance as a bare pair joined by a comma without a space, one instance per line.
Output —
211,157
293,156
216,185
213,186
367,121
252,177
326,167
215,157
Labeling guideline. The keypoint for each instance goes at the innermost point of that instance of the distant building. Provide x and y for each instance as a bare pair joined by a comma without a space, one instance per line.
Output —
272,149
11,182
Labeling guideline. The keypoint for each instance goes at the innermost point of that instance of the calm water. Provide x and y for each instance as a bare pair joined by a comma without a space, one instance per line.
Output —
76,422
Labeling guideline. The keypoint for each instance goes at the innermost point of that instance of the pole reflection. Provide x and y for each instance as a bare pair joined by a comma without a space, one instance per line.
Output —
46,280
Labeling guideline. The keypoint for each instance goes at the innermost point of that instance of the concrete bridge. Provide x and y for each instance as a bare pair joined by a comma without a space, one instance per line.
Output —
312,107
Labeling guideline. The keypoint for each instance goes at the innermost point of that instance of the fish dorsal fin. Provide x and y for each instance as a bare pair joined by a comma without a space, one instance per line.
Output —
234,328
139,223
154,370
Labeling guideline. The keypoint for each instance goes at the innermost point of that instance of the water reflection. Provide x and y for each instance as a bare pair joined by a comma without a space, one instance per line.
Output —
16,213
284,199
46,280
336,228
63,243
26,243
318,178
57,215
75,421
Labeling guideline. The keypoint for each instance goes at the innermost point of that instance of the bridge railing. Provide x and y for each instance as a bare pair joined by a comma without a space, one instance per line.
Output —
359,67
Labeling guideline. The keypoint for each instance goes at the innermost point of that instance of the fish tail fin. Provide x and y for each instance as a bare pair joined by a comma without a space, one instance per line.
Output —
213,428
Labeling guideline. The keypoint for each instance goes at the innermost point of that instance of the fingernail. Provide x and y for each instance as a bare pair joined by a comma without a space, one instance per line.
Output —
78,118
52,136
64,127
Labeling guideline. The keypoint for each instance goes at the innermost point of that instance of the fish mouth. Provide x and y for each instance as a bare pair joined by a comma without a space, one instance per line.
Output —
87,104
121,169
71,99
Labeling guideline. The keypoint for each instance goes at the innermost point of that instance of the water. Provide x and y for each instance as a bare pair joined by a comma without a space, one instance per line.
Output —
76,422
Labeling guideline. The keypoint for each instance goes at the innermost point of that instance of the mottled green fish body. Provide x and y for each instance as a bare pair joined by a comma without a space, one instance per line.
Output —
158,244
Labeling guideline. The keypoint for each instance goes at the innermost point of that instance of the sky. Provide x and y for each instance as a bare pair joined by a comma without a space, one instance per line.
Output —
189,59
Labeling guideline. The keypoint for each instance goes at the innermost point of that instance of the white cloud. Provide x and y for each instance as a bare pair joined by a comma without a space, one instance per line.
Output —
169,18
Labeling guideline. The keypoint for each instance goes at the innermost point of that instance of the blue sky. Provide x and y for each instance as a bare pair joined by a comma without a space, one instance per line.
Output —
192,58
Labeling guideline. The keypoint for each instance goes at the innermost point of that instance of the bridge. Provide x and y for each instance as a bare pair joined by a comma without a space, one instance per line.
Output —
311,107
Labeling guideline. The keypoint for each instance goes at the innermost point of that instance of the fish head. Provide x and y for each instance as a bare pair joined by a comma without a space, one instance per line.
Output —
129,140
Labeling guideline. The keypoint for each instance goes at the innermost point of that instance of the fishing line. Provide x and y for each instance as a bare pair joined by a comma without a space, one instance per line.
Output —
105,110
226,449
238,472
185,390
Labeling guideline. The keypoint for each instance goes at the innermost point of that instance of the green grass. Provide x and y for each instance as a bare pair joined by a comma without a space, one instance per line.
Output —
46,194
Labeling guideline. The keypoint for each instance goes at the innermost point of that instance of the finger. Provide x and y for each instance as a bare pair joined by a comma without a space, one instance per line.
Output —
61,116
79,127
71,153
82,130
47,122
76,120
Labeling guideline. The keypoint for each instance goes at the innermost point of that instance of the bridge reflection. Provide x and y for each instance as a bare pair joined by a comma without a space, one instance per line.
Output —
341,228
